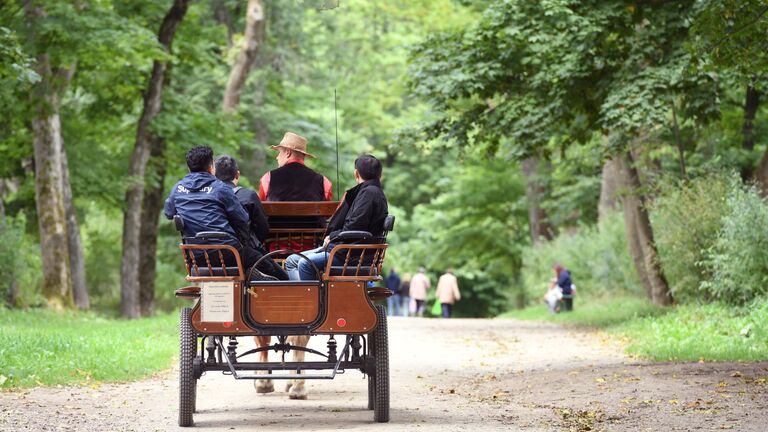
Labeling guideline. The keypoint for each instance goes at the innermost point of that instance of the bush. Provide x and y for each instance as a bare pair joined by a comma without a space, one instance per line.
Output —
686,219
739,258
597,257
21,271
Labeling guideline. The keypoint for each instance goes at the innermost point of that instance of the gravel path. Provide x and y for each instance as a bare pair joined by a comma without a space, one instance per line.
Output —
447,375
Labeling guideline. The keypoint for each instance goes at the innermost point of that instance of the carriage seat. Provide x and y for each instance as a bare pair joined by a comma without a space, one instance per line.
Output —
367,268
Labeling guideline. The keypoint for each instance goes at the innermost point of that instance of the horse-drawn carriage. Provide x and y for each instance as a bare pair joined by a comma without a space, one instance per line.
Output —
231,303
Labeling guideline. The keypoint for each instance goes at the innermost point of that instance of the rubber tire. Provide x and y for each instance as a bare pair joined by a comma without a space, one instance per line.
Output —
187,381
371,378
381,374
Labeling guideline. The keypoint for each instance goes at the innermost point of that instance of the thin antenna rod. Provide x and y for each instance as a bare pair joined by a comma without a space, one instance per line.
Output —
336,114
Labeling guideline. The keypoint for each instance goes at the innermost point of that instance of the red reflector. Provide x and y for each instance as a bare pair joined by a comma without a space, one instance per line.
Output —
227,324
341,322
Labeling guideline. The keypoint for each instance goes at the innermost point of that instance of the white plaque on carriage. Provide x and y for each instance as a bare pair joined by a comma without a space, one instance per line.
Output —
217,302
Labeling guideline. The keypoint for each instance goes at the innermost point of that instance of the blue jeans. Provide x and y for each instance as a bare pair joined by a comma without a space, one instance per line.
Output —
299,269
393,305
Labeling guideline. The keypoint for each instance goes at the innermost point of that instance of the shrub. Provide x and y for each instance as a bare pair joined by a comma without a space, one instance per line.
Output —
686,219
739,257
597,257
21,269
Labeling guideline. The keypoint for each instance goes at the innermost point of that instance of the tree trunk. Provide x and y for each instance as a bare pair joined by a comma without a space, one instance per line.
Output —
254,38
609,188
129,272
751,105
640,237
535,191
49,191
152,205
222,16
75,245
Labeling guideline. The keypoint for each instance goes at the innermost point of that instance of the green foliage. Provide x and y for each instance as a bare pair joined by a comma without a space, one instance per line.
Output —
730,33
39,347
20,256
477,226
739,256
712,332
597,257
687,217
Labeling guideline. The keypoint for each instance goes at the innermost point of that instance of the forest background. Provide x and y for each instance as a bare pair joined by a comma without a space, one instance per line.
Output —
624,139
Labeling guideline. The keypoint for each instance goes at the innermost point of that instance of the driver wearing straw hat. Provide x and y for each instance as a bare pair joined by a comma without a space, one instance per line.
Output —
292,180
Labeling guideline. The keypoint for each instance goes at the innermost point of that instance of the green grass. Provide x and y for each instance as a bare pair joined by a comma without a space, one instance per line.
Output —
592,312
702,332
41,347
711,332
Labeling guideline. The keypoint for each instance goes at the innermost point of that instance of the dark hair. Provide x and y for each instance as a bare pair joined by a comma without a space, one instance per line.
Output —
226,168
368,166
199,158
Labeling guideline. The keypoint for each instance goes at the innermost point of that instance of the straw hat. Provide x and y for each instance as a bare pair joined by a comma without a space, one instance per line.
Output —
294,142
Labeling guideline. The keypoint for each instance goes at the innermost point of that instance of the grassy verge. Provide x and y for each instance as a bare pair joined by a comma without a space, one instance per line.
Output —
712,332
40,347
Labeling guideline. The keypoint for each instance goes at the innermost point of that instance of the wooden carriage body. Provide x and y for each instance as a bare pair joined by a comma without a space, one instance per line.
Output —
340,303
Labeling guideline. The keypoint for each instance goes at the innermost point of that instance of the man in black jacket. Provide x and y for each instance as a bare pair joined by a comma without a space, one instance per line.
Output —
258,228
363,208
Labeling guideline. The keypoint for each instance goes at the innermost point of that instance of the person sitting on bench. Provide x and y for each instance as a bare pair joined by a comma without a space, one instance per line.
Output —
207,204
227,171
363,208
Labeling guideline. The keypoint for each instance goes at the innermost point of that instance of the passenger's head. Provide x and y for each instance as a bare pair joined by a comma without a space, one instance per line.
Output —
367,167
422,270
226,169
200,159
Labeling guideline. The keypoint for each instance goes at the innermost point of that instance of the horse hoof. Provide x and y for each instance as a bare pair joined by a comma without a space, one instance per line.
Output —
297,396
263,386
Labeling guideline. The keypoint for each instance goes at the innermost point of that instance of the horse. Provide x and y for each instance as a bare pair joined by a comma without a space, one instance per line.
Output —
296,388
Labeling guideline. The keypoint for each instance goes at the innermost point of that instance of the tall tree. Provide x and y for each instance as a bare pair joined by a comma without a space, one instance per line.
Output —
565,70
246,57
134,196
51,180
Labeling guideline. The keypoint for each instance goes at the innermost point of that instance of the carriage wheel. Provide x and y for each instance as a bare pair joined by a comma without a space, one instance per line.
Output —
187,381
381,374
371,377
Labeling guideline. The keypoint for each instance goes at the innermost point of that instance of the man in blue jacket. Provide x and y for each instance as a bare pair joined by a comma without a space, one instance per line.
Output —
205,203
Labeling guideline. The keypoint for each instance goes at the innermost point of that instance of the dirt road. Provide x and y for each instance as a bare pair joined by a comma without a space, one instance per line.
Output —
447,375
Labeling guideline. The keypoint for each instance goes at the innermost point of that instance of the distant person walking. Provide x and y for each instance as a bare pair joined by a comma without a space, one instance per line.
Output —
405,294
419,286
565,283
447,292
394,301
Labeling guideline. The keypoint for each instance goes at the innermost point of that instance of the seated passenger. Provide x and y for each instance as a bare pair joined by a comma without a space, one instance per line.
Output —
227,171
205,203
363,208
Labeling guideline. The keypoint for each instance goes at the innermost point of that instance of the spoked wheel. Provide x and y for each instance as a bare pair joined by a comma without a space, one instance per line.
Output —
380,345
187,381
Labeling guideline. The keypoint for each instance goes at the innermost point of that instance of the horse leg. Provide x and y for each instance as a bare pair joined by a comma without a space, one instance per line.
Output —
296,389
263,385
